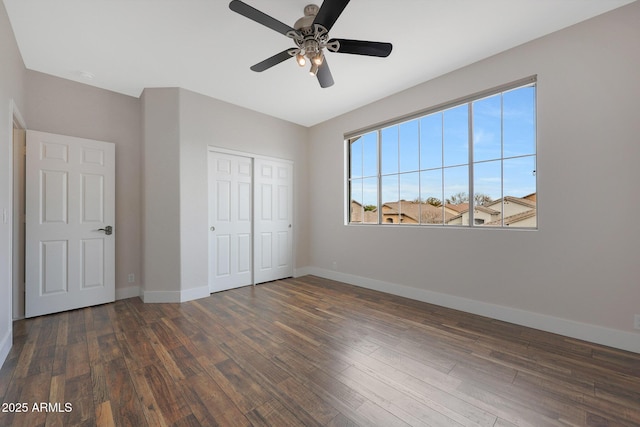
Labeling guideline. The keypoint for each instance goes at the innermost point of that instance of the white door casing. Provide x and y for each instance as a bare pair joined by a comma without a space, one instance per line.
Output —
273,220
70,196
230,221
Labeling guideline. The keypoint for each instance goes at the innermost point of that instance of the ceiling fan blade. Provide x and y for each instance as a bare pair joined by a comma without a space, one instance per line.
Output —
360,47
329,12
324,75
270,62
260,17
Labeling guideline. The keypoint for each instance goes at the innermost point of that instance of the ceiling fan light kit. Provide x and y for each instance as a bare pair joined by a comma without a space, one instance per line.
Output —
311,37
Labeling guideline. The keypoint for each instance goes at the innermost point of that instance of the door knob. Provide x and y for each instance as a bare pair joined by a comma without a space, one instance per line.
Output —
108,230
212,228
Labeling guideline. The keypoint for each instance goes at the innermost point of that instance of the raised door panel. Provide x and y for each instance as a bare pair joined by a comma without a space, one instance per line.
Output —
92,194
54,197
54,265
92,264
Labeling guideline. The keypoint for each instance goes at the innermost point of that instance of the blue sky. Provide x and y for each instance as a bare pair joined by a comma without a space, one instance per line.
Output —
428,157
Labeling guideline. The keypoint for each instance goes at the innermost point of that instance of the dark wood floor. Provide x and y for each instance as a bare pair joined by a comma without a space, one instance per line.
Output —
308,352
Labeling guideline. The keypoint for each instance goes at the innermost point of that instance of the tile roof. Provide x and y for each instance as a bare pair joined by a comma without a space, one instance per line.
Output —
514,218
428,214
460,207
425,213
530,203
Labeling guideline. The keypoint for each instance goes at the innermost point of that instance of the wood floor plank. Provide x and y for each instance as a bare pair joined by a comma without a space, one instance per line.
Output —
244,391
341,420
126,404
152,411
76,327
428,387
389,397
163,356
78,392
168,398
28,349
104,415
77,360
34,391
307,400
56,395
209,403
273,413
309,351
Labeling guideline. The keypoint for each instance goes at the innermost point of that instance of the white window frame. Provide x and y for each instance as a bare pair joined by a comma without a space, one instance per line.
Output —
469,100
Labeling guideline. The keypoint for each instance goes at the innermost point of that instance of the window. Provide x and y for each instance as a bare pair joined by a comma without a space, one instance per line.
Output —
470,163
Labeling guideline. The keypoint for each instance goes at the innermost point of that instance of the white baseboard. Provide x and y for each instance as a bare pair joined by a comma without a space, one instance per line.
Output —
593,333
175,296
304,271
128,292
5,346
195,293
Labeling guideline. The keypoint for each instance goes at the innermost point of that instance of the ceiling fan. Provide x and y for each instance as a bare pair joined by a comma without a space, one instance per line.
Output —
311,36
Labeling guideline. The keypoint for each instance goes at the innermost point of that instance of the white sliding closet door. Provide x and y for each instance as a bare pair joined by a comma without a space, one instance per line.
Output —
250,220
230,221
273,219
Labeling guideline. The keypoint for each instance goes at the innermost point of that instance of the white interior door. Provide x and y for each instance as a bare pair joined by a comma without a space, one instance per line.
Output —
70,205
230,221
273,220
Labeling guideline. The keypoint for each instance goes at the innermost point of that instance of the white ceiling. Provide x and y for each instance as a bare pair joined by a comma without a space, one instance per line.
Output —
201,45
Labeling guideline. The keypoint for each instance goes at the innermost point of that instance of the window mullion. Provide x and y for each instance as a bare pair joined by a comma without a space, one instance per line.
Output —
444,211
502,158
379,147
472,203
420,202
399,198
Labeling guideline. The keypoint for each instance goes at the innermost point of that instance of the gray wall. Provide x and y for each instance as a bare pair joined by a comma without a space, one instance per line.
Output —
183,124
161,190
205,122
65,107
11,90
578,274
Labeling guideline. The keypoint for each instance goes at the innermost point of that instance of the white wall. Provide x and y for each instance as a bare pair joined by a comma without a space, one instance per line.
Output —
578,274
183,125
65,107
11,90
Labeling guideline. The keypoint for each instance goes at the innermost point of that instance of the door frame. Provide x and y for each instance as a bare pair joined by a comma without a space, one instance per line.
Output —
253,157
17,222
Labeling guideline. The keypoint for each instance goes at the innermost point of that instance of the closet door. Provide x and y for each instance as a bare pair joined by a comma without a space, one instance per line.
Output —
273,220
230,221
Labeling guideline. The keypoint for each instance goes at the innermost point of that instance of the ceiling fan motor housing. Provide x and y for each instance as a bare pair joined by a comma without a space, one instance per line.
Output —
311,38
310,12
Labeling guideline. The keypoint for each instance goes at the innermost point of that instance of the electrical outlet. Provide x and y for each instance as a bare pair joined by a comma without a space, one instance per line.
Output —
636,321
131,277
